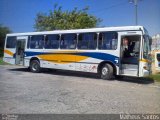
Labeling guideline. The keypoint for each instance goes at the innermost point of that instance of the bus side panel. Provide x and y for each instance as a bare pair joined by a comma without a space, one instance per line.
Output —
144,72
94,58
51,59
81,60
88,65
9,56
26,62
57,65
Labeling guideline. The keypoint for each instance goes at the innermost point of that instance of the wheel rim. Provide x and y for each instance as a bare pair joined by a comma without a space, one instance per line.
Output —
104,71
34,67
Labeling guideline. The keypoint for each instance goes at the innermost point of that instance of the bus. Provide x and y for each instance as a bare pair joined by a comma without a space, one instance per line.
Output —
108,51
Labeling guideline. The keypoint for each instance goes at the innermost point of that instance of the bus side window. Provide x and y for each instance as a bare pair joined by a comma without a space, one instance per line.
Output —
37,42
87,41
29,40
68,41
11,42
52,42
107,41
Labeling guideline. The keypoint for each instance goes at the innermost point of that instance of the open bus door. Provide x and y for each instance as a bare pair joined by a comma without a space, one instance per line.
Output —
20,48
130,53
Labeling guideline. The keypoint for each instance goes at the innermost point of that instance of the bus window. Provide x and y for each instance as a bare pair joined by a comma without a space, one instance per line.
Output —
11,42
107,41
28,43
68,41
37,42
52,42
87,41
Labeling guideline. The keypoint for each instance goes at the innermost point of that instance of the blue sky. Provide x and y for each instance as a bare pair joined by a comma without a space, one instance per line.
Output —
19,15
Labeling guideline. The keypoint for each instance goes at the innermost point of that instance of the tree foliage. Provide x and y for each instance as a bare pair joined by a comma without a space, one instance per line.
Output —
58,19
3,31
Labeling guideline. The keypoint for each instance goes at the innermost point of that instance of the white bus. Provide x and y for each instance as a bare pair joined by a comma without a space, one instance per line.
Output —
97,50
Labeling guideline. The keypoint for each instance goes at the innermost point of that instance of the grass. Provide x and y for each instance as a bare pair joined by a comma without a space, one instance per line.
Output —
2,62
155,77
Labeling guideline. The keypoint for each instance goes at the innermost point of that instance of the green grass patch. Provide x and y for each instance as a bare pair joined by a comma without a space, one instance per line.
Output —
155,77
2,62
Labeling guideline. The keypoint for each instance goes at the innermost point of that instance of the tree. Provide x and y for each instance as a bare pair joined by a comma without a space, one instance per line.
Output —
58,19
3,31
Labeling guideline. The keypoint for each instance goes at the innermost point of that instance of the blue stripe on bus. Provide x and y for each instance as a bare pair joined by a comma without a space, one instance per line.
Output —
101,56
27,54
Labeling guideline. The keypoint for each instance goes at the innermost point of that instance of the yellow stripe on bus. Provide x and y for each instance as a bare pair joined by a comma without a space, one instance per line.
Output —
145,60
8,52
62,58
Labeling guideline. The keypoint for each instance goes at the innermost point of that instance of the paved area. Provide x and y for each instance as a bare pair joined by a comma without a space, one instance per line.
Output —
68,92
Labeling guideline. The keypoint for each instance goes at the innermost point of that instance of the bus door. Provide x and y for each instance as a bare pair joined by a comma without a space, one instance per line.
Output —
20,48
130,52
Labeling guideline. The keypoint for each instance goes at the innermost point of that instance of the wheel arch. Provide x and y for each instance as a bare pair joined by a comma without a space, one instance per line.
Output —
34,58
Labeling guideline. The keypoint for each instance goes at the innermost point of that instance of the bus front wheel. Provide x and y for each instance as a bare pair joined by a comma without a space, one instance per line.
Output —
107,72
35,66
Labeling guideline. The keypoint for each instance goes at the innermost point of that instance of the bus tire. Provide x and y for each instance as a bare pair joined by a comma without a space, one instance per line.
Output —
35,66
107,72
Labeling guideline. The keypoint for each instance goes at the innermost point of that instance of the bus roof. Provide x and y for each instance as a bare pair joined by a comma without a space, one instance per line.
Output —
121,28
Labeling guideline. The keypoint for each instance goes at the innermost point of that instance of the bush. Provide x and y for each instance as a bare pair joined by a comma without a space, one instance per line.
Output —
1,52
155,77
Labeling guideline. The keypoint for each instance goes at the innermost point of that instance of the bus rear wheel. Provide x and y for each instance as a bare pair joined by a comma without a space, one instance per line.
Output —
107,72
35,66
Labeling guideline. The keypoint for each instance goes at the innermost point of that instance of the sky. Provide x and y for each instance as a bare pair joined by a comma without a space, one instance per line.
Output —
19,15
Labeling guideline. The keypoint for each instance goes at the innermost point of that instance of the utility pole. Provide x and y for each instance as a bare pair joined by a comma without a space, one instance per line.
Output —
135,2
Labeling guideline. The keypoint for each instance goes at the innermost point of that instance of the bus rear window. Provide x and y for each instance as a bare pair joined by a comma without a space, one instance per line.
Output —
11,42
